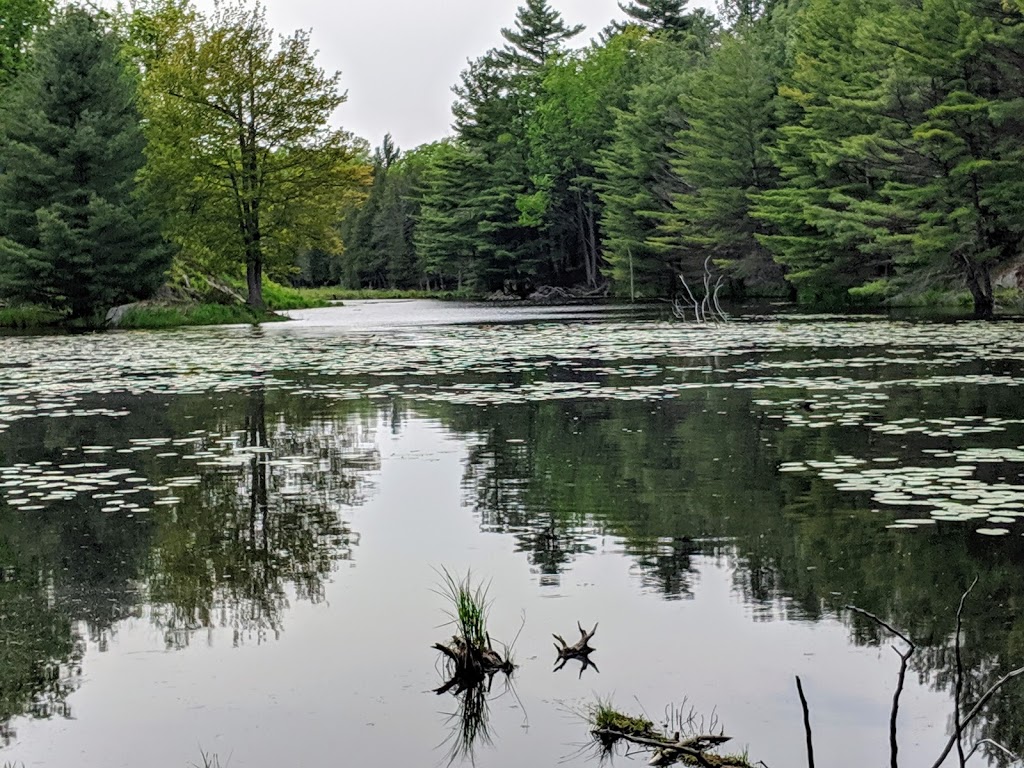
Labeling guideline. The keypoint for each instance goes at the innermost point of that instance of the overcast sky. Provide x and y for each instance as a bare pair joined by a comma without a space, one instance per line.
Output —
400,58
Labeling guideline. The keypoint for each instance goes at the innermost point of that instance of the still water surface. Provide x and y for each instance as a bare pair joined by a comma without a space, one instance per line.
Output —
228,539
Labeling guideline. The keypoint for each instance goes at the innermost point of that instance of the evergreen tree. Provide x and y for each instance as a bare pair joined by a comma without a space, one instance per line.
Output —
539,33
636,182
831,162
73,234
658,15
569,127
722,159
446,234
957,183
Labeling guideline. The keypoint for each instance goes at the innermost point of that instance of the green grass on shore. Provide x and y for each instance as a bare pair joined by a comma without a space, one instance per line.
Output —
173,316
330,293
29,316
283,297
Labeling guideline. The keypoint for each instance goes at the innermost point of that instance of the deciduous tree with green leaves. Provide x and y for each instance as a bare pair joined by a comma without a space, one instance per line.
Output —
19,21
242,155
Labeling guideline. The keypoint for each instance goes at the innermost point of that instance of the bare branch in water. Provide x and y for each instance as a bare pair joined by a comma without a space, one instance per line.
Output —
904,663
807,723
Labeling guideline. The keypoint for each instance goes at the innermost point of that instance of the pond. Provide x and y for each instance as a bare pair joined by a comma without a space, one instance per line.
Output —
231,540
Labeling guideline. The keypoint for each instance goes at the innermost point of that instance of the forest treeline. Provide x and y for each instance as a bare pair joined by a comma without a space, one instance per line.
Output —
830,149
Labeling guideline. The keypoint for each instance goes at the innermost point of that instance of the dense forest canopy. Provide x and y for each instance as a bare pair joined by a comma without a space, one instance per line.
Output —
826,150
862,149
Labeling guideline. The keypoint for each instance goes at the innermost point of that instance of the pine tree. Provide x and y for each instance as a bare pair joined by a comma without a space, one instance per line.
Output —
539,33
722,159
569,127
831,165
73,234
446,236
658,15
957,183
636,183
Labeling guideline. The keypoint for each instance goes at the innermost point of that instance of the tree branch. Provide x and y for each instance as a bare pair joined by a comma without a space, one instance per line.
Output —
904,663
807,723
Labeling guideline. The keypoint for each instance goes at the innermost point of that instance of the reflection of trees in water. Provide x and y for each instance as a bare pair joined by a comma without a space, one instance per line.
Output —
556,474
697,475
246,535
40,655
498,482
229,554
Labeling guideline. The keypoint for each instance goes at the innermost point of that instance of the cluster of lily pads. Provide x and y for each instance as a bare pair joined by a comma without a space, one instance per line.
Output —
815,373
943,493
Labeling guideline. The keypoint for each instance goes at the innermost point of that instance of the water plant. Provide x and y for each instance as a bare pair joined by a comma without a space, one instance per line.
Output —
470,664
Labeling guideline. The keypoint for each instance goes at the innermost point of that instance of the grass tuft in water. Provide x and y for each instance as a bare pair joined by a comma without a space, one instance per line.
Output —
208,760
470,607
603,716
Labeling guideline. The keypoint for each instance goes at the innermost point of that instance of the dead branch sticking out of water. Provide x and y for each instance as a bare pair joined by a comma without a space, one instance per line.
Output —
579,650
706,309
960,721
807,722
904,663
611,728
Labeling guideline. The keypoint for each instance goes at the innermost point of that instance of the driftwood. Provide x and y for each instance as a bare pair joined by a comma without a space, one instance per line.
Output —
470,666
669,751
580,650
554,293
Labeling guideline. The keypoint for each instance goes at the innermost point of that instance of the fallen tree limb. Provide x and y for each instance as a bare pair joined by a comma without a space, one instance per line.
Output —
671,751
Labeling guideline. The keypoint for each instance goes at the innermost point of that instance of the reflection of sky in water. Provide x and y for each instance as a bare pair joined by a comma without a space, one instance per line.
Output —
726,437
349,675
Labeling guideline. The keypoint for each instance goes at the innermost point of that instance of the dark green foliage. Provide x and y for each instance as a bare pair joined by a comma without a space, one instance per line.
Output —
658,15
722,160
446,228
637,184
73,232
539,33
858,149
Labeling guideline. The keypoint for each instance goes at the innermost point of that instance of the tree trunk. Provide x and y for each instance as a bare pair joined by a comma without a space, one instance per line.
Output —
254,280
592,237
979,282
